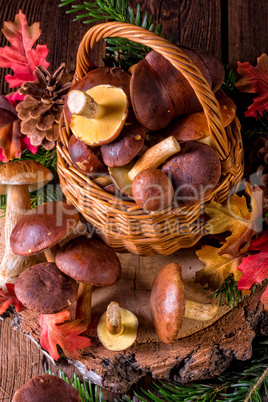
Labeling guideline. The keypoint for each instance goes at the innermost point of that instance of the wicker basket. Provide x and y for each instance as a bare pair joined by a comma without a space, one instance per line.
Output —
122,224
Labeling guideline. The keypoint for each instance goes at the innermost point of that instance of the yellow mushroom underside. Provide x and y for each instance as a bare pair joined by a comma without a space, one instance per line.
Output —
113,102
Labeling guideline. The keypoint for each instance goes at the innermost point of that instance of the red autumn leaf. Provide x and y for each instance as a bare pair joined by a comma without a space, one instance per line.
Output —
65,335
20,56
255,80
264,299
255,267
9,298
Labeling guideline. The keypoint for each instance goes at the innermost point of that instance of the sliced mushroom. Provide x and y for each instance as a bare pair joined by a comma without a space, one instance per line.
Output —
117,328
42,228
169,307
17,179
44,388
194,173
99,114
92,263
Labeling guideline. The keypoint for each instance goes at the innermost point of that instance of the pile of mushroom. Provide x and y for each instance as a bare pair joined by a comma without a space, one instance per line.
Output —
130,128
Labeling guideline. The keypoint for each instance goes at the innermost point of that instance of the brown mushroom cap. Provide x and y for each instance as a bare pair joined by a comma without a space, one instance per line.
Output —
45,289
113,76
89,261
125,147
152,190
215,67
194,171
167,302
43,227
194,126
84,157
21,172
46,388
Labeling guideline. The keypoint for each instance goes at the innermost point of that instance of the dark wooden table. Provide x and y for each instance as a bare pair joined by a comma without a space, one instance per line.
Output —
234,30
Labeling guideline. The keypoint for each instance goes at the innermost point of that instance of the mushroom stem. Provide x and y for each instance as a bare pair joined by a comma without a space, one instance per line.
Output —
81,103
83,304
50,253
155,156
18,203
199,311
113,319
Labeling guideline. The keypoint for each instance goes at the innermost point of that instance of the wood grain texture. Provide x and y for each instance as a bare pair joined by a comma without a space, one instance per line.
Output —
247,30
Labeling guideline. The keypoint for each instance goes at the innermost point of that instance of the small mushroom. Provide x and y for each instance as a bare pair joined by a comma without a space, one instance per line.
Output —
42,228
84,157
92,263
194,173
99,114
194,127
125,147
17,179
46,388
117,328
152,190
169,307
152,158
45,289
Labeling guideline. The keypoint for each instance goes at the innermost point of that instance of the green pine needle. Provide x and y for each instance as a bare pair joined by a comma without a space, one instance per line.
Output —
229,291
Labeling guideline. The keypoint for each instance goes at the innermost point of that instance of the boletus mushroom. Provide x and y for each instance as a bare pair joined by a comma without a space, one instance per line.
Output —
17,180
123,176
117,328
99,114
194,171
43,228
84,157
152,190
43,288
169,307
194,127
92,263
46,388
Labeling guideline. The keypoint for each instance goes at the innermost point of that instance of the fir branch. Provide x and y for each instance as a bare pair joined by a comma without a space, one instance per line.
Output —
228,291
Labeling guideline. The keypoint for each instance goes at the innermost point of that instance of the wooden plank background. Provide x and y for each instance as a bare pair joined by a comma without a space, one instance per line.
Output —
233,30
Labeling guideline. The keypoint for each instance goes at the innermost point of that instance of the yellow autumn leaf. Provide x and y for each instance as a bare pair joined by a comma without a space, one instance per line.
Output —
237,219
217,267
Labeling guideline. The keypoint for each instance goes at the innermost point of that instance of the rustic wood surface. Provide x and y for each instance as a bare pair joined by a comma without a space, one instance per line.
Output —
233,30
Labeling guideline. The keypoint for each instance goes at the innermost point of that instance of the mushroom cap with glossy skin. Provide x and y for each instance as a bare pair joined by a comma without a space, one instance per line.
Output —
45,289
84,157
43,227
194,171
125,147
167,302
17,173
89,261
46,388
152,190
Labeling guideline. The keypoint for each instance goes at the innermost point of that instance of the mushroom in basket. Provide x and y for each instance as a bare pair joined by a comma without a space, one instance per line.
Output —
169,307
17,180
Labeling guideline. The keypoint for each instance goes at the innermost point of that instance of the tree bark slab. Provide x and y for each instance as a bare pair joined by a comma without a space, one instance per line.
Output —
202,354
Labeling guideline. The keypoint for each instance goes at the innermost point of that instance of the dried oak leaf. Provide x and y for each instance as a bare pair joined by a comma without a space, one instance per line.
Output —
255,267
217,267
236,218
9,298
9,131
255,80
65,335
20,56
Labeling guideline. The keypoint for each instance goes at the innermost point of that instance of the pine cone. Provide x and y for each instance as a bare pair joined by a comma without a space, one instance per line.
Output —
42,106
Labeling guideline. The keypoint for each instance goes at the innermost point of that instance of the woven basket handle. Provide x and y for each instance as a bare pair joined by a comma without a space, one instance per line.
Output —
175,56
